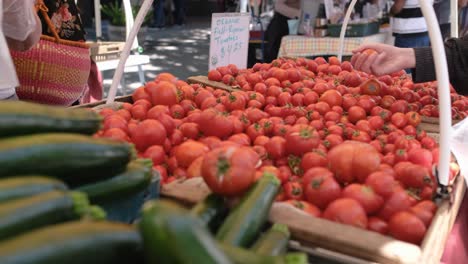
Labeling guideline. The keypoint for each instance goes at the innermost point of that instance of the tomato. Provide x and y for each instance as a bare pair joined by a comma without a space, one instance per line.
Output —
125,114
320,187
399,200
194,170
215,75
428,143
301,139
413,118
399,106
116,134
346,211
381,182
352,79
241,139
353,160
407,227
115,121
214,123
188,151
163,93
140,93
423,214
413,175
211,142
229,170
348,101
276,147
399,120
421,156
162,171
322,107
148,133
371,87
332,141
377,225
156,154
306,207
293,190
313,159
365,195
190,130
361,136
427,205
285,173
310,98
332,98
177,111
356,113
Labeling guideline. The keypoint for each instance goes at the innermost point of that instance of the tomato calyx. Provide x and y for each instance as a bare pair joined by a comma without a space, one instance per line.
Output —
306,133
294,164
223,166
232,98
414,193
316,183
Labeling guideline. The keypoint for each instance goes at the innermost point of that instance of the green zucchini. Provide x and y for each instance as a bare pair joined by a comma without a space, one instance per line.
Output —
211,211
244,256
134,179
170,235
23,118
24,186
40,210
72,158
243,224
274,242
78,242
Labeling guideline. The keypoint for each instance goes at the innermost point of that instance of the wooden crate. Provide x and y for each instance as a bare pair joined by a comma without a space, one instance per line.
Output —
431,124
204,81
102,51
343,242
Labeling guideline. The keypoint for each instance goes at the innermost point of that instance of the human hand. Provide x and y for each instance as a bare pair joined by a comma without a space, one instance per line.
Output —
385,60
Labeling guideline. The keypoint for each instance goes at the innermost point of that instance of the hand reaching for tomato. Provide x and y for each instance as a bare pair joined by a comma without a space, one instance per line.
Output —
385,60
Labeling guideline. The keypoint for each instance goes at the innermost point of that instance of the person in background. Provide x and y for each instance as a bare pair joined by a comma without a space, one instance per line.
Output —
278,27
408,24
159,18
442,10
463,17
389,59
20,29
179,12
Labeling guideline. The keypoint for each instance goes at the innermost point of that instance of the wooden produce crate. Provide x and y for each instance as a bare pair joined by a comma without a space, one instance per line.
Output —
343,242
204,81
431,124
102,51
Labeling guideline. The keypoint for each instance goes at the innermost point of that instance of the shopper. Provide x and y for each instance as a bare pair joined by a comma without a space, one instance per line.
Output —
442,10
408,24
159,18
278,27
389,59
179,12
20,29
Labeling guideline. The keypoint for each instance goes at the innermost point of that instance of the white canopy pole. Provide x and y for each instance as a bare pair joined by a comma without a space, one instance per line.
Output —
445,113
145,7
343,28
97,19
454,18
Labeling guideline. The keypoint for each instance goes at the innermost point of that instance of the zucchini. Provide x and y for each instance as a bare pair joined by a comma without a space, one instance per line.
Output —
77,242
49,208
24,186
274,242
170,235
134,179
71,157
211,211
23,118
244,256
243,224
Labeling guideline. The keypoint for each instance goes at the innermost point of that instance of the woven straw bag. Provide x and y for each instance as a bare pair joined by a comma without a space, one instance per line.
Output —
54,71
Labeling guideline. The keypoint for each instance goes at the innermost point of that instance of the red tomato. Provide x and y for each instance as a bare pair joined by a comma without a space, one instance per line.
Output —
215,123
428,143
353,160
346,211
306,207
156,154
229,170
399,106
140,93
115,121
427,205
377,225
399,119
116,134
188,151
332,141
162,93
413,118
301,139
322,107
241,139
356,113
382,183
365,195
421,156
148,133
423,214
313,159
293,190
276,147
398,201
214,75
320,188
371,87
190,130
261,140
407,227
332,98
194,170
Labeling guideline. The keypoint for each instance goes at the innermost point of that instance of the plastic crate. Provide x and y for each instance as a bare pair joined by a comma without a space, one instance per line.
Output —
354,30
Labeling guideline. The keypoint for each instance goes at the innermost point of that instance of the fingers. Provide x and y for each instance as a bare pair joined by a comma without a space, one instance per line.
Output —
379,47
360,61
368,63
354,58
379,67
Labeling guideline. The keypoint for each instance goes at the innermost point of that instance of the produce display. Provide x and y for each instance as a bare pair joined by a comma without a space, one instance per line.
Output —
344,145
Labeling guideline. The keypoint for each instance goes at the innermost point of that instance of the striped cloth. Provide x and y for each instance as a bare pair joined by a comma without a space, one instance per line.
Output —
302,46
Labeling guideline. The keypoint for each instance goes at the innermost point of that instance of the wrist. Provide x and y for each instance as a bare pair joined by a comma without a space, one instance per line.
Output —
409,58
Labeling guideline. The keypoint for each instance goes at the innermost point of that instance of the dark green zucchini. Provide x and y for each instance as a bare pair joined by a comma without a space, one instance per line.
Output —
170,235
72,158
211,211
244,222
273,242
23,118
24,186
244,256
79,242
134,179
40,210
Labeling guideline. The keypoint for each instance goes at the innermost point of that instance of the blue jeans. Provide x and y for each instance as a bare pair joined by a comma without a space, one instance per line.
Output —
159,19
412,41
179,12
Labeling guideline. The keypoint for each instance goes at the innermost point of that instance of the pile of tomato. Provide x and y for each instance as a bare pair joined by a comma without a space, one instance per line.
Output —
344,145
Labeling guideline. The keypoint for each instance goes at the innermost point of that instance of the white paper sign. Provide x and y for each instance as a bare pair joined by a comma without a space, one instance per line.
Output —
229,39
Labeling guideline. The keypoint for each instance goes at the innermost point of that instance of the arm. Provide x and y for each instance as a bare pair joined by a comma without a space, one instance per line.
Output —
285,10
21,24
29,42
397,7
456,51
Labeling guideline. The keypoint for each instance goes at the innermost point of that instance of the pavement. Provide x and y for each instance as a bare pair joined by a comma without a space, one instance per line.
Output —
180,50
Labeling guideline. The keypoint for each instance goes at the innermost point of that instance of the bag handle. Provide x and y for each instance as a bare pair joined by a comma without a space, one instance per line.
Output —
42,8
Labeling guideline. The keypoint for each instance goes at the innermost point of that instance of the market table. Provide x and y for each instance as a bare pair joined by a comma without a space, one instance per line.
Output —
303,46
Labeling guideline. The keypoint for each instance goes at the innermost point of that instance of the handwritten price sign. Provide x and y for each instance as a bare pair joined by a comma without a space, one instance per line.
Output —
229,39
